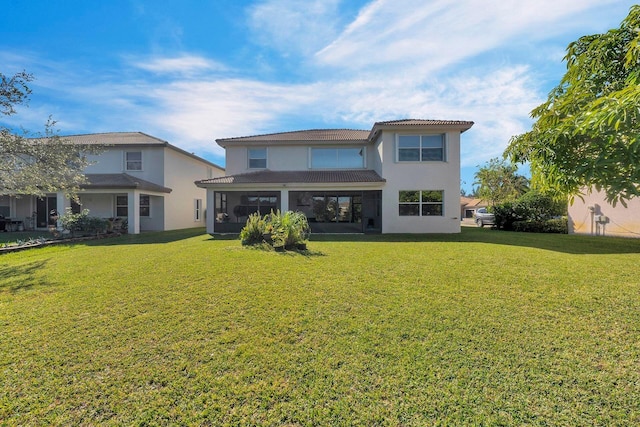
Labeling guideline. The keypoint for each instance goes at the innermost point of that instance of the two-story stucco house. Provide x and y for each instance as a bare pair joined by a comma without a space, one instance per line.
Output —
137,177
401,176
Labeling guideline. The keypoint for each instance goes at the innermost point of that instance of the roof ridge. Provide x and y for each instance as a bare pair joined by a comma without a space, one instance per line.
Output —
422,120
153,137
293,131
108,133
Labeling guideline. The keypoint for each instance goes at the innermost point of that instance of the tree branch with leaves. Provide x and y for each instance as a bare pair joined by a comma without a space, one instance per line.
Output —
37,164
499,182
587,133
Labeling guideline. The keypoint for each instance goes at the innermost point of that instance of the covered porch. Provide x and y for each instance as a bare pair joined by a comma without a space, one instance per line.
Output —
118,197
328,211
332,201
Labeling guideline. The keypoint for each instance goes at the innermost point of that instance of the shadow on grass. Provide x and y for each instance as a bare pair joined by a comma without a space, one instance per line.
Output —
265,247
571,244
148,237
16,278
305,253
226,236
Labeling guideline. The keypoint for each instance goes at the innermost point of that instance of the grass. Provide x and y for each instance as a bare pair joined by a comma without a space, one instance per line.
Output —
481,328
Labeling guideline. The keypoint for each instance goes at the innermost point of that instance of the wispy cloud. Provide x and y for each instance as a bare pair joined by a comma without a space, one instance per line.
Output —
294,26
439,33
196,113
184,64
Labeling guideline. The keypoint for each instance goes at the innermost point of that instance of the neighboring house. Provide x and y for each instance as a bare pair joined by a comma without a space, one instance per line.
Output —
469,206
401,176
594,215
138,177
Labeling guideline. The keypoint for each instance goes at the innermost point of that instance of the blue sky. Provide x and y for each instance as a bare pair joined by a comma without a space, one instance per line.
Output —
192,71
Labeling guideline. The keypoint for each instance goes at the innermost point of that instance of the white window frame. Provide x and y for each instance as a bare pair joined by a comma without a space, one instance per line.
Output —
127,161
249,157
422,202
362,148
120,206
420,147
148,206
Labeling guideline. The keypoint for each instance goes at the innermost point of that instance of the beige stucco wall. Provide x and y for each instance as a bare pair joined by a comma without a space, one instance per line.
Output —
164,166
100,205
235,160
284,157
375,153
278,158
181,172
420,176
112,161
622,221
156,221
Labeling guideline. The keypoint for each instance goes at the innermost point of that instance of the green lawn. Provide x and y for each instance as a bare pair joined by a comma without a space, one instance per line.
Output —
178,328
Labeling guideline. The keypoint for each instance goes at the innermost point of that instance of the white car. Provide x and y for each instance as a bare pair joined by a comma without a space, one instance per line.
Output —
484,217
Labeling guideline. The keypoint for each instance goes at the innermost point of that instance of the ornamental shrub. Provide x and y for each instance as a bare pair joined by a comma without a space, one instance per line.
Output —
253,231
288,229
81,224
504,216
557,225
277,229
528,226
532,213
534,206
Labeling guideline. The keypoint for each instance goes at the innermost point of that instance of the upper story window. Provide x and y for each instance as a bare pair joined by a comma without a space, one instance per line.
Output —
337,158
421,148
257,158
133,160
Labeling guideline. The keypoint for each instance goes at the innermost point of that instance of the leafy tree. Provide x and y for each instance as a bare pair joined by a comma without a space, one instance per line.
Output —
587,133
534,206
533,211
498,182
36,166
13,90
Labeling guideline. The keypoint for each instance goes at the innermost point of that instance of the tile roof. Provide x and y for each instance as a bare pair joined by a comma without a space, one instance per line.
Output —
316,135
460,125
472,202
341,135
121,181
132,139
115,138
420,122
298,177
